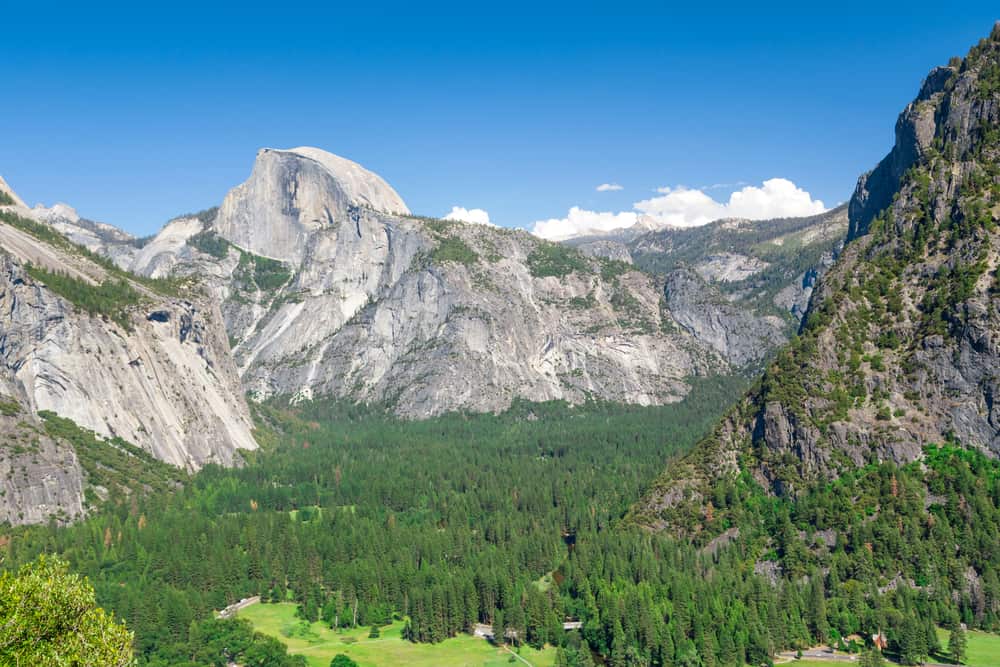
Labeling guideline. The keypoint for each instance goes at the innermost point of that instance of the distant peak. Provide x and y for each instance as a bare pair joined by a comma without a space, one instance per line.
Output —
361,185
7,190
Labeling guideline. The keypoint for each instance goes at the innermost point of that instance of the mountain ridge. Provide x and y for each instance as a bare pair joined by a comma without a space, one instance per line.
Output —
136,361
900,344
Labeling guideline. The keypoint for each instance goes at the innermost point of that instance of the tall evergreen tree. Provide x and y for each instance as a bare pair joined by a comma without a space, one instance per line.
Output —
957,644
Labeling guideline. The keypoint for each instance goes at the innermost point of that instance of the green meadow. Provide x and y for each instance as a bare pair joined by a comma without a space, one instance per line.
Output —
983,648
319,644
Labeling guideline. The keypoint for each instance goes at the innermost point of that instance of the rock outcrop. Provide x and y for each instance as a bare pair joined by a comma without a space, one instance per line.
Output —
737,334
291,194
330,288
901,344
156,373
740,287
40,477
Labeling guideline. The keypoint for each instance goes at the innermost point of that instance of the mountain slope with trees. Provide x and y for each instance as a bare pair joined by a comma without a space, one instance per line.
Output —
900,348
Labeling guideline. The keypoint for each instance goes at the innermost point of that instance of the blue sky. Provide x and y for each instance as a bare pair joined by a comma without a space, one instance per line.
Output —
136,115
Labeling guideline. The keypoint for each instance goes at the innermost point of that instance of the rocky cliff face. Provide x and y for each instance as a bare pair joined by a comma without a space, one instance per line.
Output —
329,287
901,345
142,361
740,287
40,477
475,320
293,194
741,336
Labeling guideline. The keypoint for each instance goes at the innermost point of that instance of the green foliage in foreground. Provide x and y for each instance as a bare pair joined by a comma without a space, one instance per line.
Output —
112,299
50,617
6,199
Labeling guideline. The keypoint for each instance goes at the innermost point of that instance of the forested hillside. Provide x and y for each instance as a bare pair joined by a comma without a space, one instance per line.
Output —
901,344
362,517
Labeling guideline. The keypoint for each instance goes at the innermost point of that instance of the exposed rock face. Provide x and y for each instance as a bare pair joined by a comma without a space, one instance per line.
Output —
40,479
901,345
607,249
292,194
428,316
742,286
440,337
96,237
165,382
6,192
161,254
728,267
741,337
915,131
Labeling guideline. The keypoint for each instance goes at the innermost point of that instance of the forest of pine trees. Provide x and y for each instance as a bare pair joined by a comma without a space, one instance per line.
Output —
362,518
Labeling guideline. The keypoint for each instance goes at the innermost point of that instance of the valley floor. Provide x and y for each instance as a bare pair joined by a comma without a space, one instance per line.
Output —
983,651
319,644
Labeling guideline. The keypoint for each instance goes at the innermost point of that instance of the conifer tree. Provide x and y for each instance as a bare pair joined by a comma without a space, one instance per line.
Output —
957,644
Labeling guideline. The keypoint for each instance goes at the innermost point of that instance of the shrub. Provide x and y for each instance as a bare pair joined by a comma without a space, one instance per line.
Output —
210,243
553,259
112,298
454,249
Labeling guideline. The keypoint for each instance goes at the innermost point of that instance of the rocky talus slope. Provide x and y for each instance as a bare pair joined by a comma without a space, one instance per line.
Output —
901,344
330,287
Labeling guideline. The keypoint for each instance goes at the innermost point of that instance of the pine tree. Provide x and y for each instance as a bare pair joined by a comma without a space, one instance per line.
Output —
817,609
499,626
912,643
957,644
871,658
930,637
618,648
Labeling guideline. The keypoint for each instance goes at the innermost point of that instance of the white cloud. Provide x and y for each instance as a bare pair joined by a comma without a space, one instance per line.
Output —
476,215
681,207
609,187
778,198
579,222
685,207
720,186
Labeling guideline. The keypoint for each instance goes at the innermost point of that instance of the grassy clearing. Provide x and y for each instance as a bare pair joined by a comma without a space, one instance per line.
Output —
983,648
545,582
319,644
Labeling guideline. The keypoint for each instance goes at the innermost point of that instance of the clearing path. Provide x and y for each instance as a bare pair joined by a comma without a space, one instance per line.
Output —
507,648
